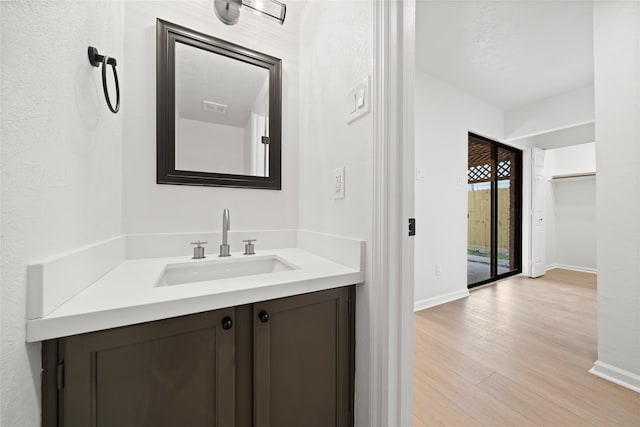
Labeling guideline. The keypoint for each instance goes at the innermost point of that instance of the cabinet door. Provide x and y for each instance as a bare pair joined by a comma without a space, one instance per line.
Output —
174,372
302,360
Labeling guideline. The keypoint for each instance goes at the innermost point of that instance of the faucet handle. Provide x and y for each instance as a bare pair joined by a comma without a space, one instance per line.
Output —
198,251
248,247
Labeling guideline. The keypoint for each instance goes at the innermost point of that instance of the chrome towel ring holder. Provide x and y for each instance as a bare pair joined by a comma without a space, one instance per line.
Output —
96,59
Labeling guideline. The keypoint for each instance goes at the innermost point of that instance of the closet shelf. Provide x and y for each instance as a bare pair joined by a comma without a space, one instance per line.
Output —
556,178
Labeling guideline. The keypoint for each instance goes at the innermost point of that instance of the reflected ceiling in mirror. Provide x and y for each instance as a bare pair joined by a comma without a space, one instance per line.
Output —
219,109
221,121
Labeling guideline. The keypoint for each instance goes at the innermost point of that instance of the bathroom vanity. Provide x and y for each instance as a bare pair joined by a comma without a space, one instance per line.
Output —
282,362
245,340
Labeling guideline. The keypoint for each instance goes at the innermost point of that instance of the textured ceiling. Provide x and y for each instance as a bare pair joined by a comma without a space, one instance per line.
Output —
507,53
205,76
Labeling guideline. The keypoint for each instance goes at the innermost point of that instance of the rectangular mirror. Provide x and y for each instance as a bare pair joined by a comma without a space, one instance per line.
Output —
218,112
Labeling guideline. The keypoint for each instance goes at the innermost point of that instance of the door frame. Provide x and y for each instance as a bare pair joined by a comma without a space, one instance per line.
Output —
392,252
518,174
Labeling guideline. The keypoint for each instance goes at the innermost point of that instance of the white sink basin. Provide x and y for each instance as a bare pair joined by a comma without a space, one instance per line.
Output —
202,271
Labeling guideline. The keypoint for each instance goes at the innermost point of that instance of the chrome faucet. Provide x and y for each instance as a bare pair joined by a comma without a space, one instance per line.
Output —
224,247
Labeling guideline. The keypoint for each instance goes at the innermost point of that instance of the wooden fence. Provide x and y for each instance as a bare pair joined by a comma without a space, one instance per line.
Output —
479,223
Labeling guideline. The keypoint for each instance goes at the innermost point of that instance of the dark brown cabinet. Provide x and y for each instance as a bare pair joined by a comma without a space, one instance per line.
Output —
284,362
301,358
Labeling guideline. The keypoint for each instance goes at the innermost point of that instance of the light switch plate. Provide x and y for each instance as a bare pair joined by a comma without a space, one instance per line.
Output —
338,183
359,100
419,174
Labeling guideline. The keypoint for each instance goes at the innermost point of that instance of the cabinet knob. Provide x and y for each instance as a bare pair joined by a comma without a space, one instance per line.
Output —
263,316
227,323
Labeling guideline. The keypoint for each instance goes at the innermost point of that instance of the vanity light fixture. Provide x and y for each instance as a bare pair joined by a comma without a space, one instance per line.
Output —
228,11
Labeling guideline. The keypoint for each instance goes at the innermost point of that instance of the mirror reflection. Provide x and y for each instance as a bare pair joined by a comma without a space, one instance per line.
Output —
221,114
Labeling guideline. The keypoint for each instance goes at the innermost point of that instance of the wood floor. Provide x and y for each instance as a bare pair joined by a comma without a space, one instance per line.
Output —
516,353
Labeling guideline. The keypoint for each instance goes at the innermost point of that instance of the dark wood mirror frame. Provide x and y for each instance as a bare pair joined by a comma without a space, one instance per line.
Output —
167,36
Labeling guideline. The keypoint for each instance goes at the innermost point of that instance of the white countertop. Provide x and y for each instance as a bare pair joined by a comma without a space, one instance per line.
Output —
128,294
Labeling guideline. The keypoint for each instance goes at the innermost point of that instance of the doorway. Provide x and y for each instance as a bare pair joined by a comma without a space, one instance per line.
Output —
494,216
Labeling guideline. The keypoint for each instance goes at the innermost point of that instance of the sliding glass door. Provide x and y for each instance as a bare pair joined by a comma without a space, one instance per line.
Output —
494,226
479,214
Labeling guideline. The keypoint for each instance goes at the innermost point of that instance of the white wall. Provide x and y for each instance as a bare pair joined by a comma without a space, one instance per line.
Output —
568,109
206,147
336,52
1,245
62,156
617,94
149,207
575,224
551,256
571,160
571,208
443,117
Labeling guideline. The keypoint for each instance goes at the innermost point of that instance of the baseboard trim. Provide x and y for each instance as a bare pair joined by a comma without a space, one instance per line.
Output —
572,267
440,299
616,375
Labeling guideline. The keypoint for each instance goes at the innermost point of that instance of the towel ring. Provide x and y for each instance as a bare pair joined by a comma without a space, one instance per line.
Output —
96,59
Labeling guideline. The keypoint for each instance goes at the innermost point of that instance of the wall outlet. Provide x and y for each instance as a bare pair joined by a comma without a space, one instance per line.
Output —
438,269
461,180
338,183
419,174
